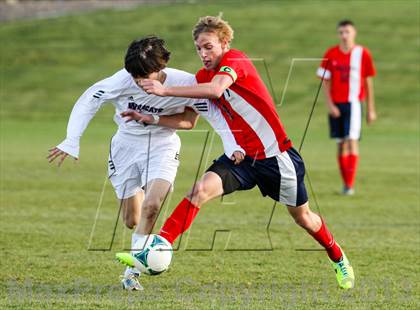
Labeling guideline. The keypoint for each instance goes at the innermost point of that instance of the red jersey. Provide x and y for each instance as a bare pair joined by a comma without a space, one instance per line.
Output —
248,107
347,72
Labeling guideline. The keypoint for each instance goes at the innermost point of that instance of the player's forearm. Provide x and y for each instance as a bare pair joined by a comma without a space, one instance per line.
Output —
216,120
326,85
370,94
83,112
175,123
203,90
75,128
229,144
186,120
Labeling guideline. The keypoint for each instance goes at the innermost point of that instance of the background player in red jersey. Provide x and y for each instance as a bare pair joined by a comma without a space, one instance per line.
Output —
347,70
230,79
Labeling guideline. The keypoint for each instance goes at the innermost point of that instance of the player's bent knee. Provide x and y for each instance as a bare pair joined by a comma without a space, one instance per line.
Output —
199,194
130,222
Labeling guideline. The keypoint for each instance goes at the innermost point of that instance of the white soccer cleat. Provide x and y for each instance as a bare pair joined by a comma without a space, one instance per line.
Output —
347,191
130,282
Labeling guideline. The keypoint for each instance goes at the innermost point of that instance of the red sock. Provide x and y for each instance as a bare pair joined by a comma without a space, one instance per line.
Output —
179,221
352,167
324,237
343,164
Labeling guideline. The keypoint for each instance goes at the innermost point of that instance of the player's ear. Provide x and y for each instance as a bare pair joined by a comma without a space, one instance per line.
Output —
225,44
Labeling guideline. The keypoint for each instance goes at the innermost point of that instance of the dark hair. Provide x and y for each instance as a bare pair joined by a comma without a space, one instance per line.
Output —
145,56
345,22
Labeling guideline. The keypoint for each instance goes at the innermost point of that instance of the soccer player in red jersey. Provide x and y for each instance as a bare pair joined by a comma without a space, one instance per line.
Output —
267,158
347,70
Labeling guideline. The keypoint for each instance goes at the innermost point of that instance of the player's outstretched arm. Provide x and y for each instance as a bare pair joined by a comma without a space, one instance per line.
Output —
83,111
186,120
211,90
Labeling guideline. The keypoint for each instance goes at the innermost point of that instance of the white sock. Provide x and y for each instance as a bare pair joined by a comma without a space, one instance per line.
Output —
140,240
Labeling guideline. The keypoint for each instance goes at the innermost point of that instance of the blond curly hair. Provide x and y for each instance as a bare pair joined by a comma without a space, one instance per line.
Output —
213,24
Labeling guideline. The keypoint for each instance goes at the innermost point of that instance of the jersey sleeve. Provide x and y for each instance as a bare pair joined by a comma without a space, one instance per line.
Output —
234,67
214,117
84,110
368,66
324,70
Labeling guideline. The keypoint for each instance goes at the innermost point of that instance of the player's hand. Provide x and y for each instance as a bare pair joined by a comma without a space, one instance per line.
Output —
131,115
57,153
334,111
237,157
370,117
153,87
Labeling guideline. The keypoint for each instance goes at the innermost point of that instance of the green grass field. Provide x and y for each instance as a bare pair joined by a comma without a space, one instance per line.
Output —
47,214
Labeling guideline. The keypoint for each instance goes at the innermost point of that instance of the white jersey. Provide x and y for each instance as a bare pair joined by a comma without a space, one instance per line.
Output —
124,93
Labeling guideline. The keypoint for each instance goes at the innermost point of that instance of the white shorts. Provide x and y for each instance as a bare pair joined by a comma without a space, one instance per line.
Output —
135,161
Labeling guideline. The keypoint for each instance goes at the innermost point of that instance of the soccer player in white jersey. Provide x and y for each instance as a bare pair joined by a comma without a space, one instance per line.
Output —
143,159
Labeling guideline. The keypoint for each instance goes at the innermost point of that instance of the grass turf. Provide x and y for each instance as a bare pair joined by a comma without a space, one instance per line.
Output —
47,214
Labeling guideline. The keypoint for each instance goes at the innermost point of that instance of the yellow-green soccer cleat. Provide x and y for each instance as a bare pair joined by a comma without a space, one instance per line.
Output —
126,259
344,273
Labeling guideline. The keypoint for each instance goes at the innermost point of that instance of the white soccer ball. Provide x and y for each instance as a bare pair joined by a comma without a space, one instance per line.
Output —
155,256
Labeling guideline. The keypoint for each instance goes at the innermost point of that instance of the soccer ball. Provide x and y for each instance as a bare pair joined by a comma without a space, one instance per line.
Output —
155,256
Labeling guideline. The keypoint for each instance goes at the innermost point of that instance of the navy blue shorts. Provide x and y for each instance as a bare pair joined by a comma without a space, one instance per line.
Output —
280,177
348,124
